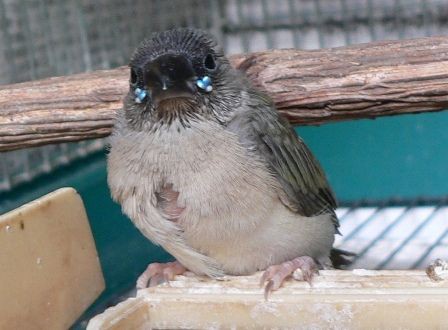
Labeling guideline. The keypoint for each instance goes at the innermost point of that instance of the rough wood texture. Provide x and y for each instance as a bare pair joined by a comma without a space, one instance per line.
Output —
357,299
309,87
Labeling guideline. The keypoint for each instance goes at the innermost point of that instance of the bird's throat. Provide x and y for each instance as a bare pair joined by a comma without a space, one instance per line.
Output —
176,109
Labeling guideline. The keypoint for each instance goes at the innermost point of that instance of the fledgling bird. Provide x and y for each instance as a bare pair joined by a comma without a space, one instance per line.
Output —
204,166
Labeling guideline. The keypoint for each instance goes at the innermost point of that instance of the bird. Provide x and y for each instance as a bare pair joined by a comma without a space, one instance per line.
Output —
204,166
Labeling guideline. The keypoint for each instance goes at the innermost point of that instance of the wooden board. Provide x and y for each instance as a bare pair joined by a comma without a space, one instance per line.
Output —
357,299
49,267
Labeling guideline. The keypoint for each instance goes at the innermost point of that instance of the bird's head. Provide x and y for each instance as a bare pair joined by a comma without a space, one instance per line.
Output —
177,76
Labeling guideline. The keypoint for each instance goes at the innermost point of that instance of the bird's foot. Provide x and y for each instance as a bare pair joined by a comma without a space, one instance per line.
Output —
157,273
276,274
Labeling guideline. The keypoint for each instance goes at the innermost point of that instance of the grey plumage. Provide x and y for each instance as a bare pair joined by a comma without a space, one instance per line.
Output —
218,179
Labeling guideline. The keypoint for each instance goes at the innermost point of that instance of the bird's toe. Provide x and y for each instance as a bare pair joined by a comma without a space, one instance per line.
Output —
158,273
275,275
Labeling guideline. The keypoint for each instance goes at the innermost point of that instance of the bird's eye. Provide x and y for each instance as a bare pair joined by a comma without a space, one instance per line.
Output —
209,62
134,77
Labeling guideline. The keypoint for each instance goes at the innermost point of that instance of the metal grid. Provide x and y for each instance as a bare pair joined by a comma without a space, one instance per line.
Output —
24,165
395,234
45,38
309,24
42,38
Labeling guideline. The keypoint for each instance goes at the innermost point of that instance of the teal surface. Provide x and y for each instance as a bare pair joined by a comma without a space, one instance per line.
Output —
404,156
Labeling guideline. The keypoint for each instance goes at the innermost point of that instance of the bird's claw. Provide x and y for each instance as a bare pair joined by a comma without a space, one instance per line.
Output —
275,275
268,289
157,273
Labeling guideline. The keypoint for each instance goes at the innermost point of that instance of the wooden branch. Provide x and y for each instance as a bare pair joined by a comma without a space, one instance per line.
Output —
308,87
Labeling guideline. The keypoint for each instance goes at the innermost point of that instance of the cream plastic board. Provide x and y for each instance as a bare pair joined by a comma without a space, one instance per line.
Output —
357,299
49,267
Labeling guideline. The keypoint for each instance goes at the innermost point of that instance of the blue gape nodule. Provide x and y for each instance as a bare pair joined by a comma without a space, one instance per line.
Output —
140,95
205,83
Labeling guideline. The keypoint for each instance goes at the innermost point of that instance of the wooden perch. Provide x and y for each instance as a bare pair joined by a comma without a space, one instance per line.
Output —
308,87
358,299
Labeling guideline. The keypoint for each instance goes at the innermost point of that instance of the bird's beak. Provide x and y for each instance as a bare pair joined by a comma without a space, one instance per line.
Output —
170,76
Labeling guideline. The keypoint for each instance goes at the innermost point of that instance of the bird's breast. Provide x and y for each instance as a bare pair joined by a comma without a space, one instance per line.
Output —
220,187
220,184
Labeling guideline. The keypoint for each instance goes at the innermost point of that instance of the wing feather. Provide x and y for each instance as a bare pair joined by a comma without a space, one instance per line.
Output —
304,186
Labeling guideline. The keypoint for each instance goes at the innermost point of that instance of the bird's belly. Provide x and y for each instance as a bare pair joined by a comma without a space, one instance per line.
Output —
277,236
230,202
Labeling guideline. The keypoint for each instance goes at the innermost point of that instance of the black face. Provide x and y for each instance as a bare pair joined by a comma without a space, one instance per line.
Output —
169,76
169,65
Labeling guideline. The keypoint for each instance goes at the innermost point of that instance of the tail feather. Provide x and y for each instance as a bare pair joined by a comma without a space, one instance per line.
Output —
341,259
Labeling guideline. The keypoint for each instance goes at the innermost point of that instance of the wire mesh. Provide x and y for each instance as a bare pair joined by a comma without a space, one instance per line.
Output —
387,236
24,165
42,38
309,24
